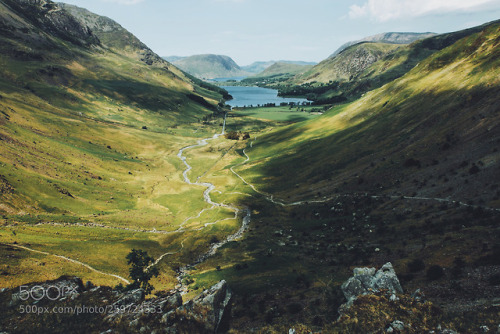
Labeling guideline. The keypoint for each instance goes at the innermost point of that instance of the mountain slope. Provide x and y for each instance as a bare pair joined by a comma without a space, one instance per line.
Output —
89,135
276,73
394,64
443,110
283,68
407,174
387,38
260,66
210,66
348,64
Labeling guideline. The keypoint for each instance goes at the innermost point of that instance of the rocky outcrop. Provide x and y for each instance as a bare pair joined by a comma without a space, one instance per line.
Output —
368,281
50,18
66,302
206,313
388,37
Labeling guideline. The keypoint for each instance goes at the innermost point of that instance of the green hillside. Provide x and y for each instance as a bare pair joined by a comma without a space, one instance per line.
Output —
420,116
101,152
89,135
346,75
409,172
278,72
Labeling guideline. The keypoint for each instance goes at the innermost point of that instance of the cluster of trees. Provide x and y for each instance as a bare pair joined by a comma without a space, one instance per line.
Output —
282,104
237,135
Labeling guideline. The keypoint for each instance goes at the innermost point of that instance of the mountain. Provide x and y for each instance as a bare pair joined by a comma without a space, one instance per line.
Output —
209,66
276,73
408,172
365,66
283,68
347,64
172,59
387,38
260,66
85,128
109,158
439,117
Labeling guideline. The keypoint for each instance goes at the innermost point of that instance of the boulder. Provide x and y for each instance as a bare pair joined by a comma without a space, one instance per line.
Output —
368,281
134,297
206,313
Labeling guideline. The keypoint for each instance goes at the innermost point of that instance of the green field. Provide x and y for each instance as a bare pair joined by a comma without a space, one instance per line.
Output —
280,114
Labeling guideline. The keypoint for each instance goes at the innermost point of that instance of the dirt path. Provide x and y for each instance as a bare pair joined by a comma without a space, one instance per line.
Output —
281,202
71,260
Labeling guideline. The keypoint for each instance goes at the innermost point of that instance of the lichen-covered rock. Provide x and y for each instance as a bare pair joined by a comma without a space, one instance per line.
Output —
367,281
134,297
206,313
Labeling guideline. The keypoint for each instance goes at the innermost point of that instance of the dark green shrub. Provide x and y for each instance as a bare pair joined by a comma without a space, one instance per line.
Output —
435,272
416,266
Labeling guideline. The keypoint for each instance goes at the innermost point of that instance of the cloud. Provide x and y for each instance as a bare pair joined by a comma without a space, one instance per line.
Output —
385,10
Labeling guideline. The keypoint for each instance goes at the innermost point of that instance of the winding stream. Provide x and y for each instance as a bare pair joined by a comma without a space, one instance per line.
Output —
206,196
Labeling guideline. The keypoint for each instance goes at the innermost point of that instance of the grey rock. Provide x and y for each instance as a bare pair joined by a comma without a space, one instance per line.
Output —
364,271
134,323
133,297
448,331
171,302
398,325
59,289
210,309
367,281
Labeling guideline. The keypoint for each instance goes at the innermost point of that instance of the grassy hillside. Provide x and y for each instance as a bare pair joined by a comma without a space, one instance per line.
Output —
89,138
421,116
407,173
326,84
278,72
347,64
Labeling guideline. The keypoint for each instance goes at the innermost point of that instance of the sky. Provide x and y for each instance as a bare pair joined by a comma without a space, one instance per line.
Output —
262,30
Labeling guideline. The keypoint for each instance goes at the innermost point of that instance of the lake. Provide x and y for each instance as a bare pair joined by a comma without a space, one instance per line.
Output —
246,96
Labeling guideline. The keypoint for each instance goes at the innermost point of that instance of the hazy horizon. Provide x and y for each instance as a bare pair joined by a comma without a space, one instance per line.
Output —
262,30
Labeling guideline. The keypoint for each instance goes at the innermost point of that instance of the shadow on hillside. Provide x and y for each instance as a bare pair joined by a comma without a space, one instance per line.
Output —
440,131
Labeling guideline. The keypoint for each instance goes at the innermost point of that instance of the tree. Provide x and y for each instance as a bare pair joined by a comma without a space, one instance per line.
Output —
141,271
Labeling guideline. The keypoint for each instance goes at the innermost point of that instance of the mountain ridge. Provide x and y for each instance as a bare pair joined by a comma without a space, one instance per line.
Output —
388,38
210,66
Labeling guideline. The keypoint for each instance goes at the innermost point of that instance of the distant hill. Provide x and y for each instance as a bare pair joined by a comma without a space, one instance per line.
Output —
276,73
347,64
260,66
172,59
389,38
209,66
284,68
